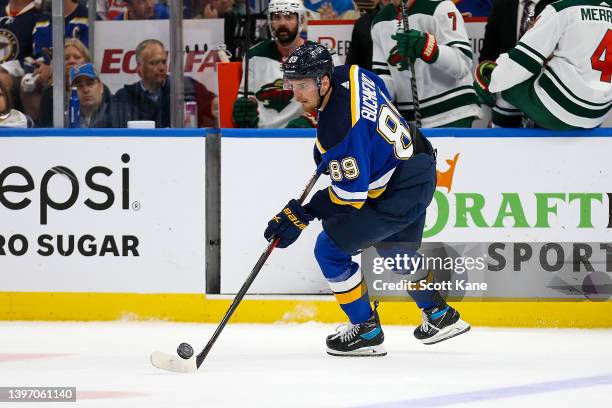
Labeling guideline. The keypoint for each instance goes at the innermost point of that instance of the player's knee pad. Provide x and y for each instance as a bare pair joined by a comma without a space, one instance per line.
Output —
325,249
334,263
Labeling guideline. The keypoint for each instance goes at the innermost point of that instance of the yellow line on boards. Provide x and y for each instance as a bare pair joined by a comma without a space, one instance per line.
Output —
67,306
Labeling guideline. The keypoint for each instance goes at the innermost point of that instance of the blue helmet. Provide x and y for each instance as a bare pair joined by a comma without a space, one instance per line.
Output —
309,61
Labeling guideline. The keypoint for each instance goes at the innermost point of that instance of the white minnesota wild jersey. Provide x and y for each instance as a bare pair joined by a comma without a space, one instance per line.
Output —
276,106
570,50
446,92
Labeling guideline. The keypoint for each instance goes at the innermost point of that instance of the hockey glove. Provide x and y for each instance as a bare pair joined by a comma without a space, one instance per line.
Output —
416,44
288,224
245,113
482,80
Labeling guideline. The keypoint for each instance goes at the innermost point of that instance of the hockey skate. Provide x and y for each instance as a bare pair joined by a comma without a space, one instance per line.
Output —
358,340
440,323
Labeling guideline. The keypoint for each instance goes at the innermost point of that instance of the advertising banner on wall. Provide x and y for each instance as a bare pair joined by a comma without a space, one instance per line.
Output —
489,189
116,43
109,214
335,35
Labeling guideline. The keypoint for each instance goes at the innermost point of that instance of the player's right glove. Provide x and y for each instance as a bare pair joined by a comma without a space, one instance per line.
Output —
482,80
288,224
245,113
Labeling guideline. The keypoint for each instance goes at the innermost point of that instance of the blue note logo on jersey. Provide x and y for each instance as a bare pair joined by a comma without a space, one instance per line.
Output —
9,45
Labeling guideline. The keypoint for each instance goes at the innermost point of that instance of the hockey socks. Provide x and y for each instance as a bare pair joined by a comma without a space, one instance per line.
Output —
344,278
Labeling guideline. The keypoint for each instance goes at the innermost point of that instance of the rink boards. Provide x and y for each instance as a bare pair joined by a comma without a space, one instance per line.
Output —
110,224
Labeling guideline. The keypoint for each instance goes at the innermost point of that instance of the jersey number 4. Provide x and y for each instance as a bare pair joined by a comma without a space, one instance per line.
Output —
605,65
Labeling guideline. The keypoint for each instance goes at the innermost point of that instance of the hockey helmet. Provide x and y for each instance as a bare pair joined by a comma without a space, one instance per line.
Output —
287,7
309,61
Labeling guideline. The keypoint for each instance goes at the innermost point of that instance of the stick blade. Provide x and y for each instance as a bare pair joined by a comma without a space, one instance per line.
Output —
173,363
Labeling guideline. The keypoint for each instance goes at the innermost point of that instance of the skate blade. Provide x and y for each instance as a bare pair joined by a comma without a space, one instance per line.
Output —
459,327
173,363
372,351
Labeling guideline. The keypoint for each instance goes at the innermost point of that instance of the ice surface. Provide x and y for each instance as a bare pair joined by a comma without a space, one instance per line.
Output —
285,365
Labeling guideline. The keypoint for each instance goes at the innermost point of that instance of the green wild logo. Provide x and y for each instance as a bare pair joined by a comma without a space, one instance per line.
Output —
274,96
394,57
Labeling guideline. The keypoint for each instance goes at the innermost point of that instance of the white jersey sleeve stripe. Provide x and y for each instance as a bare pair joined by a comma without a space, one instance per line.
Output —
382,181
348,196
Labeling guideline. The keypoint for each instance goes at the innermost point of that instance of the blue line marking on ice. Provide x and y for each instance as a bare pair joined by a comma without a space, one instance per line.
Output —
497,393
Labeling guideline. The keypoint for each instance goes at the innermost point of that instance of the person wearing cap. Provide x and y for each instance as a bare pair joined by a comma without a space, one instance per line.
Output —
94,97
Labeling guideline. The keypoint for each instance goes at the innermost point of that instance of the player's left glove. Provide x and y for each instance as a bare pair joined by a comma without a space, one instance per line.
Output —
482,80
288,224
416,44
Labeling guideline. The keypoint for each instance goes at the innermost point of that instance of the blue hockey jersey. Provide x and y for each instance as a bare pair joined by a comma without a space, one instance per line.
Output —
361,139
76,25
16,32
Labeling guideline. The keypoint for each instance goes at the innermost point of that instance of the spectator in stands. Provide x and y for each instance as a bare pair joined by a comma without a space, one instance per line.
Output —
149,98
213,8
75,26
17,21
144,10
75,53
10,73
10,117
94,97
110,9
508,21
360,52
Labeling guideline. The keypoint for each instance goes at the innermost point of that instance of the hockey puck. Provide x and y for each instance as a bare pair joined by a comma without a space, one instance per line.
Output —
185,351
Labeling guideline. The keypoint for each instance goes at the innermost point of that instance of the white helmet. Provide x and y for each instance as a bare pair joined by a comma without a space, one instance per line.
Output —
287,6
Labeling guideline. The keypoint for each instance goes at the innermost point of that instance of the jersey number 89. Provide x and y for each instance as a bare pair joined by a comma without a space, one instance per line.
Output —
393,130
347,168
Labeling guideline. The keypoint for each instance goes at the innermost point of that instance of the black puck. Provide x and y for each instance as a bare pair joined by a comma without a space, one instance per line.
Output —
184,350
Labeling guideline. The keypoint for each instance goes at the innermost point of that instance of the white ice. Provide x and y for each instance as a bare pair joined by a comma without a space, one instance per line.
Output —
285,365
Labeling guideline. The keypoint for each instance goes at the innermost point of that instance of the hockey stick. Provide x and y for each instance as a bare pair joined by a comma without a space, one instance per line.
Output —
178,364
413,84
247,44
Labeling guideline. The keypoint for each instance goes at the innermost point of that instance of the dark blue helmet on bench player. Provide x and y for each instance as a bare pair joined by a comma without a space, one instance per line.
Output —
309,61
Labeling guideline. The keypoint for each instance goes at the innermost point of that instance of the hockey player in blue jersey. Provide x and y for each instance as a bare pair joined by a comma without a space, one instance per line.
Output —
383,176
